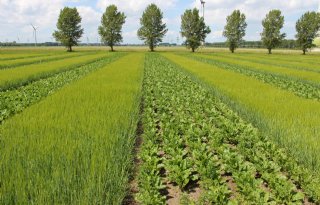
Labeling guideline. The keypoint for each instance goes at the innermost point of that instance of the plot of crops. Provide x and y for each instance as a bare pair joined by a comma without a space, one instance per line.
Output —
98,127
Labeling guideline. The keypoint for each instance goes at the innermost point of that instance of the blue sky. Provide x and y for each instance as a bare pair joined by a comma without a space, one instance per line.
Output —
16,16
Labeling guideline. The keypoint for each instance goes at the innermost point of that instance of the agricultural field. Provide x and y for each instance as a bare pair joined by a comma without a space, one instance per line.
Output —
166,127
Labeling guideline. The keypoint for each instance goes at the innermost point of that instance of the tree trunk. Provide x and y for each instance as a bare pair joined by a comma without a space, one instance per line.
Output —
192,50
69,48
269,49
232,50
151,48
111,48
304,51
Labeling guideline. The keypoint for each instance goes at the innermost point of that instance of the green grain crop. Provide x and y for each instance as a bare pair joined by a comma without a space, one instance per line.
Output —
300,74
16,77
292,121
74,147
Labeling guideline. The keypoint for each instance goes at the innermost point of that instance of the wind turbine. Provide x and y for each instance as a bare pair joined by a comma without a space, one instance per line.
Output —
88,42
35,34
202,4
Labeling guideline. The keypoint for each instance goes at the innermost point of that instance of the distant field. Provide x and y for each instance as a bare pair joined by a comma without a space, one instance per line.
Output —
21,50
170,127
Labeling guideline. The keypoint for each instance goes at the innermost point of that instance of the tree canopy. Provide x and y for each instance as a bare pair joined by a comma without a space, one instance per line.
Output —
69,28
152,28
111,26
307,30
235,29
272,25
193,29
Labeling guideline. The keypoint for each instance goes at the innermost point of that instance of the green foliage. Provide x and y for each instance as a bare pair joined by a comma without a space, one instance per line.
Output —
243,149
69,28
111,26
272,25
152,28
294,83
35,60
13,78
65,151
307,30
15,101
192,137
235,29
193,29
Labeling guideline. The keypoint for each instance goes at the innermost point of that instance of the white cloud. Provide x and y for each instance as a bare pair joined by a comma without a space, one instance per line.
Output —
135,6
216,12
133,10
90,22
16,16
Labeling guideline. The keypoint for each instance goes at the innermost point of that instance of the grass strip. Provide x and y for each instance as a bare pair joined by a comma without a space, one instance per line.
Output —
14,78
15,101
74,147
274,62
20,63
301,88
298,71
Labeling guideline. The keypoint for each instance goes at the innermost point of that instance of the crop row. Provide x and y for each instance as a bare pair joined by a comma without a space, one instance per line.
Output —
272,67
39,60
74,147
17,56
299,87
15,101
290,120
13,78
194,143
291,63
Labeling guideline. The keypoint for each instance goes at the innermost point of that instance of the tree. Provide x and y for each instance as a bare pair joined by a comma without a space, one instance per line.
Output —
152,28
193,28
111,26
272,24
235,29
307,30
69,28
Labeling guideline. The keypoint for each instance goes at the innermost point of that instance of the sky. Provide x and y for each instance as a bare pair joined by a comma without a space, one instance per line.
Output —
17,15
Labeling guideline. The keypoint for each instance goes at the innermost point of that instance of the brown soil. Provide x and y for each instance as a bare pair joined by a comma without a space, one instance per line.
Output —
174,194
133,183
232,186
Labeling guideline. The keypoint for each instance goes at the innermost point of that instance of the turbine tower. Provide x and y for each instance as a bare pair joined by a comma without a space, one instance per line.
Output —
202,5
317,40
34,34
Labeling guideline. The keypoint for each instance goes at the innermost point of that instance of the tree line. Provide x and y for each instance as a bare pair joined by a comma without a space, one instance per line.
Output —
285,44
193,28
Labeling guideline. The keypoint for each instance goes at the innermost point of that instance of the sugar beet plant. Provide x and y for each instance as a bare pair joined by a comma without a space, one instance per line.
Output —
192,140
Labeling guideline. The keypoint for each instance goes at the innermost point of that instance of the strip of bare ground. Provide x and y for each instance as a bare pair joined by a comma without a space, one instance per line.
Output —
133,183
